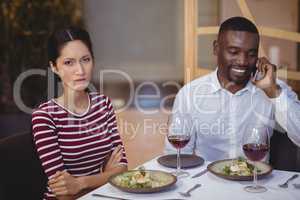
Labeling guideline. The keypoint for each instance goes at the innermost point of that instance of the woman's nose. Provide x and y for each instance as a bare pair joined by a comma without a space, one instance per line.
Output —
80,69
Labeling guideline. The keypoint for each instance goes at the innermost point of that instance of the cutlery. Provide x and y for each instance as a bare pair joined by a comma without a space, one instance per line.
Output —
200,173
285,184
121,198
188,193
110,197
296,185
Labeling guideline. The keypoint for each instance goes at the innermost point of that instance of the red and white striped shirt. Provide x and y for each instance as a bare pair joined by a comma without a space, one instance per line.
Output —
76,143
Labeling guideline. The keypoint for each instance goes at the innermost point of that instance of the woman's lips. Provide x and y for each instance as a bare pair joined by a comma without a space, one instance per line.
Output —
80,80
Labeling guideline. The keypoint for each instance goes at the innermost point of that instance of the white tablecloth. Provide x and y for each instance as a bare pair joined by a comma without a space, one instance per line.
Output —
213,187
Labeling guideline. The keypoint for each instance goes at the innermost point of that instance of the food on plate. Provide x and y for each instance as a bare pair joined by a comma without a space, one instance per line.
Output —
142,179
239,167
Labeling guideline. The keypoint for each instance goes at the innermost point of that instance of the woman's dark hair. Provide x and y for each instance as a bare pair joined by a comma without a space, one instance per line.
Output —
59,39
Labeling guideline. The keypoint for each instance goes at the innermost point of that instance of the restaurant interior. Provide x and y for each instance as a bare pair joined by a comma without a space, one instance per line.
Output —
145,51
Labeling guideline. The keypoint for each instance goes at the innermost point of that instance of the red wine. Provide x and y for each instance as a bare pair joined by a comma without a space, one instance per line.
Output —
255,152
179,141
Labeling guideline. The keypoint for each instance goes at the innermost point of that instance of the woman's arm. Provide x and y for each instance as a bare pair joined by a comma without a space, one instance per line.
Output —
65,184
117,162
94,181
113,131
62,183
46,142
112,167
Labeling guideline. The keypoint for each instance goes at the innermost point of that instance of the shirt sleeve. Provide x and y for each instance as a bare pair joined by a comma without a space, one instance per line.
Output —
46,142
113,130
287,112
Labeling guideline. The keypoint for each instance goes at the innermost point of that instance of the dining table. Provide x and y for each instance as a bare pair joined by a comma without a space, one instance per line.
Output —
212,187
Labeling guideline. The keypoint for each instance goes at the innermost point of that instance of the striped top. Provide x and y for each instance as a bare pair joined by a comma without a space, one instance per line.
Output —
76,143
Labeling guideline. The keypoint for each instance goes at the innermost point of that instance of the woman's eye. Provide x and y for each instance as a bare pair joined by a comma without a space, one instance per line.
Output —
87,59
68,62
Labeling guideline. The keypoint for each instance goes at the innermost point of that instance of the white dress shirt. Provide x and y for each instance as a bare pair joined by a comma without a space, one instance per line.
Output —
219,118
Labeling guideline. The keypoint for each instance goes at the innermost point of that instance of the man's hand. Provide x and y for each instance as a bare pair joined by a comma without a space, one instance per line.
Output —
268,81
114,158
63,183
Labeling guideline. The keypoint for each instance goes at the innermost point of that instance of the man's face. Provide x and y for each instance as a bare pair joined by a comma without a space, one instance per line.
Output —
237,53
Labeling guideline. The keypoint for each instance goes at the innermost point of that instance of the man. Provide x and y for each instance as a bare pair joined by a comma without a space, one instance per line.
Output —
242,92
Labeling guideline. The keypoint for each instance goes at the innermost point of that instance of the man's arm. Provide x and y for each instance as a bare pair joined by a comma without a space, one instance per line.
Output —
285,101
287,112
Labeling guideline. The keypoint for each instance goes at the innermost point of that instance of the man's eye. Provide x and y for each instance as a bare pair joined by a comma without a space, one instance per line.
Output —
233,52
252,54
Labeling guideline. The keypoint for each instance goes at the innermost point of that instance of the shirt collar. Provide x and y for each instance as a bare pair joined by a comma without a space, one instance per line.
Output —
217,86
249,87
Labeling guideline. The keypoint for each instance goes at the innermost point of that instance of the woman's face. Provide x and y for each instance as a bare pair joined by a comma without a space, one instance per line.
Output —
74,66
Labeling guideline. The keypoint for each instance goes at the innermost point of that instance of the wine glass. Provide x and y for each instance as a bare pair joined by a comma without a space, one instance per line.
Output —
255,147
179,136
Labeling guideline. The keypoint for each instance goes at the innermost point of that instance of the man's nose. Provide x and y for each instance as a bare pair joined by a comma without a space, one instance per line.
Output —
243,59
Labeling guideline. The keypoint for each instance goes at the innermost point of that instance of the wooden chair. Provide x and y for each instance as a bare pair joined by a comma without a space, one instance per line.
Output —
21,173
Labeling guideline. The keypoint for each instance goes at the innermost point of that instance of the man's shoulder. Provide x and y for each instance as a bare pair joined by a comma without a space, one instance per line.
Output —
202,83
282,83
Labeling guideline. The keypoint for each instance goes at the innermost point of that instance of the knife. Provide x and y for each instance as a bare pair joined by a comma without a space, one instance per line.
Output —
110,197
121,198
200,173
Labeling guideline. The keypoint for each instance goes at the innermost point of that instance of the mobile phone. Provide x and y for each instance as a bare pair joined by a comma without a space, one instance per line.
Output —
258,75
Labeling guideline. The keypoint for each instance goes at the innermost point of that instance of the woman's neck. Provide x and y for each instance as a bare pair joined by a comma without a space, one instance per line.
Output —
75,101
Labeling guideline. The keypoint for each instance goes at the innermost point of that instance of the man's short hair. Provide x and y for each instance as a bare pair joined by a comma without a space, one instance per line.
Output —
238,24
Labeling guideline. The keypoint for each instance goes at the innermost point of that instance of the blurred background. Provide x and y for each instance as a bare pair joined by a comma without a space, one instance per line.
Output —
145,50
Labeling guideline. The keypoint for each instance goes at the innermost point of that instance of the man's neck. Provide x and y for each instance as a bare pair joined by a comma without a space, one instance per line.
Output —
230,85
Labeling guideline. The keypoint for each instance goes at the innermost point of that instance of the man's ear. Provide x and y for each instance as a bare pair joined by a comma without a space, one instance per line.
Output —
216,47
53,67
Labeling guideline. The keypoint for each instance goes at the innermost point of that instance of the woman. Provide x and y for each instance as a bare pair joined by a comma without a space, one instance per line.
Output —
76,134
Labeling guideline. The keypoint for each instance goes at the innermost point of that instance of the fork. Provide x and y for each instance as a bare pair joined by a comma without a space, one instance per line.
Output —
285,184
188,193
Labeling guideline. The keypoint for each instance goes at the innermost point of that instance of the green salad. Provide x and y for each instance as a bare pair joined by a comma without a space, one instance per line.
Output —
239,167
140,179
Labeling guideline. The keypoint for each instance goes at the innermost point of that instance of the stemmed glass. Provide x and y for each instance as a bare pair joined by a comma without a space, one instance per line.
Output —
179,136
255,147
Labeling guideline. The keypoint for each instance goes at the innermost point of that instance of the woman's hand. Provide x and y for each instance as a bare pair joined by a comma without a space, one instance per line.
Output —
114,158
63,183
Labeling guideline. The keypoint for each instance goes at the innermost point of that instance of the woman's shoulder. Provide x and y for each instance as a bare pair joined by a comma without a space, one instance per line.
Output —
45,108
98,97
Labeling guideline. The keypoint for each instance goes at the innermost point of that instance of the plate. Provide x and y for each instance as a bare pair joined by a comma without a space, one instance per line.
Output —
217,169
160,180
187,161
